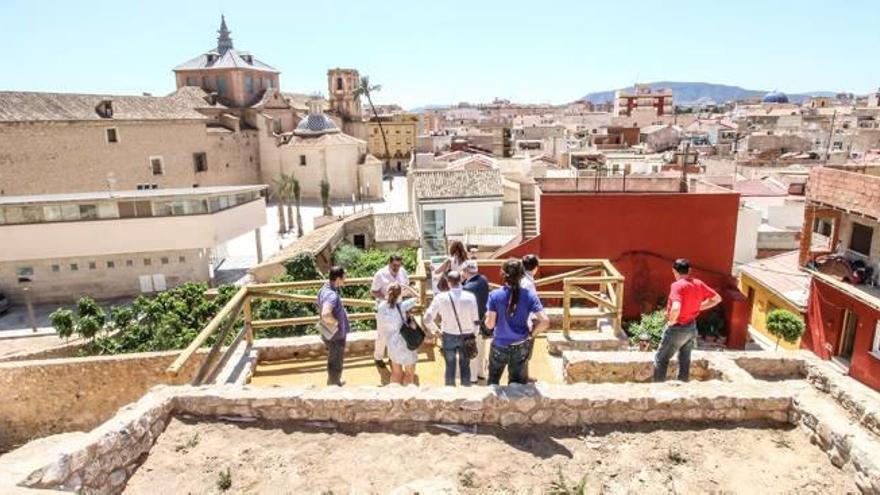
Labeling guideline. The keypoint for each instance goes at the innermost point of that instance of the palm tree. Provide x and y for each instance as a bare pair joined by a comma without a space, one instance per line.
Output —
296,195
288,198
279,193
366,90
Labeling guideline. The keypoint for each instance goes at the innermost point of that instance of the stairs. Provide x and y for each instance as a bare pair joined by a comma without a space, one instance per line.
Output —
529,219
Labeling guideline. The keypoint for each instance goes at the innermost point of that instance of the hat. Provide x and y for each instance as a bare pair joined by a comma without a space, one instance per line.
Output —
470,266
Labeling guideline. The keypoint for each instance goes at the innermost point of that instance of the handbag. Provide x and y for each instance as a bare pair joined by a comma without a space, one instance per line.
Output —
412,334
327,332
468,340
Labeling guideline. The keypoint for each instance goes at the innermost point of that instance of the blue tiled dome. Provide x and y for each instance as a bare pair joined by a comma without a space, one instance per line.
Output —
315,124
775,97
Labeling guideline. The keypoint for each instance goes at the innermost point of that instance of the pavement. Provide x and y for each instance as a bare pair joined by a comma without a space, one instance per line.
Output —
360,370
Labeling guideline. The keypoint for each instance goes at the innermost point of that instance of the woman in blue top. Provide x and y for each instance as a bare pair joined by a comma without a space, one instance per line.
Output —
507,312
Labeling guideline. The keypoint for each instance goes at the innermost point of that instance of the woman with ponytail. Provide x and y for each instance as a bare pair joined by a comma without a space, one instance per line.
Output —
390,316
508,312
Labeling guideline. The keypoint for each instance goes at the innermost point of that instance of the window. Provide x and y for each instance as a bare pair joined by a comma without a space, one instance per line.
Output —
249,84
88,212
74,267
56,268
338,84
360,241
156,165
276,126
25,271
148,262
191,81
111,264
164,260
221,85
269,83
112,136
129,262
205,82
181,259
860,239
200,162
302,160
92,265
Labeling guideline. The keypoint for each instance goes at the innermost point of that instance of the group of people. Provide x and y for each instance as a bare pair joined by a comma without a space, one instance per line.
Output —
470,315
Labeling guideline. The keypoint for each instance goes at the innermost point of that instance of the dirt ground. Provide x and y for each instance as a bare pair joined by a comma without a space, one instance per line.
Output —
323,458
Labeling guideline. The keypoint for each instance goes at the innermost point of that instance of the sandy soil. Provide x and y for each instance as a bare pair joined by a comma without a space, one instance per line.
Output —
320,458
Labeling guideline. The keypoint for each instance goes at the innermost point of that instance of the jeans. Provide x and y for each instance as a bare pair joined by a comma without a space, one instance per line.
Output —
335,356
453,354
515,357
680,339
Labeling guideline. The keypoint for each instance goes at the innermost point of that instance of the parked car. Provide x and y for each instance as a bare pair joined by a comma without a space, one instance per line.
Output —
4,303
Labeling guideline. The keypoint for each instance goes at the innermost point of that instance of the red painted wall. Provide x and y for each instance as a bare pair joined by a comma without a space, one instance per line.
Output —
825,316
642,234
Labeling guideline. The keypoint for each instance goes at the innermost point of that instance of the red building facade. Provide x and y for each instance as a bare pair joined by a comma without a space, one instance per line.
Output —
642,234
842,233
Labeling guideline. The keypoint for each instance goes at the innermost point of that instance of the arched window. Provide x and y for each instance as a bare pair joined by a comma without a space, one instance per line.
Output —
339,84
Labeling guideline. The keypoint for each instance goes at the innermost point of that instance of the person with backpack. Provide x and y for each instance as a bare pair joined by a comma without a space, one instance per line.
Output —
459,317
507,313
392,314
333,324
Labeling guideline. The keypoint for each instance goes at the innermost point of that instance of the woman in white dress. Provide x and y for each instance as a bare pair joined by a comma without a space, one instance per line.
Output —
389,318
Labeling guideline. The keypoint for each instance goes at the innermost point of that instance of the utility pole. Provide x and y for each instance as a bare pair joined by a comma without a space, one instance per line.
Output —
683,185
830,137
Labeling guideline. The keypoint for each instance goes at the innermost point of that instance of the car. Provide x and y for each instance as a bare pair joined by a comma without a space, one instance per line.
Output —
4,303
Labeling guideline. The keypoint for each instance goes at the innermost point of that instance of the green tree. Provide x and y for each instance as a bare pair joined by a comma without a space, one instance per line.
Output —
88,320
366,90
288,198
785,325
325,198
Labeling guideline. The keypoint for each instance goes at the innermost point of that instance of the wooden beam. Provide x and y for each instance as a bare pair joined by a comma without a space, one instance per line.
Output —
231,309
589,296
304,298
305,320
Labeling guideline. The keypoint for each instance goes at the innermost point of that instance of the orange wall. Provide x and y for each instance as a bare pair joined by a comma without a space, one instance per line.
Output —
642,234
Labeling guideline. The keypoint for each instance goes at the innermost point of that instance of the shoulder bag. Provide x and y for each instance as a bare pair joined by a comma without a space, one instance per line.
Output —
468,340
412,334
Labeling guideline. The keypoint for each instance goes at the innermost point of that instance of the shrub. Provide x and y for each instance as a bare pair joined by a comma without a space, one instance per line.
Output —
785,325
302,267
651,324
88,320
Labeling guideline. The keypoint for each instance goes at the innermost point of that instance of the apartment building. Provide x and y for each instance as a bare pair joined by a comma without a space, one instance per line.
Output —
400,133
643,99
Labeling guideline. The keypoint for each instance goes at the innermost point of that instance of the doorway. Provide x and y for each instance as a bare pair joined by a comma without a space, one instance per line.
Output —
847,337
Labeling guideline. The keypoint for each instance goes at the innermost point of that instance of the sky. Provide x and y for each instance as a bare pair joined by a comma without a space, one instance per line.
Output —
443,52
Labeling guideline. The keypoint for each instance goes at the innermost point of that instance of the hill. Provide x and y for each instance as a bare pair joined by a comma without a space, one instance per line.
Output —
690,92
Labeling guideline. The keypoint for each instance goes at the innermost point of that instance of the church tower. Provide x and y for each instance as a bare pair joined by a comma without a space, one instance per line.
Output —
341,84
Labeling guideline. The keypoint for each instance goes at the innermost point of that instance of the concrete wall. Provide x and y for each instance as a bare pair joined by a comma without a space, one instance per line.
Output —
746,247
59,395
122,279
62,157
463,214
764,301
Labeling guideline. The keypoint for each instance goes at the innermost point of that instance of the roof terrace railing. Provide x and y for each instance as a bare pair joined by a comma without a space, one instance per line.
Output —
585,289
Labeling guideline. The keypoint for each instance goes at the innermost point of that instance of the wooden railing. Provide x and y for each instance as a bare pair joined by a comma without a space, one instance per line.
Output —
594,281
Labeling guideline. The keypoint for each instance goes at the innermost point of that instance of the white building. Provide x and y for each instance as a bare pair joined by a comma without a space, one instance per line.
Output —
120,243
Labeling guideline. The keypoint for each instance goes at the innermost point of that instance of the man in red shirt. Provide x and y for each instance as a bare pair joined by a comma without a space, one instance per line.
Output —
688,296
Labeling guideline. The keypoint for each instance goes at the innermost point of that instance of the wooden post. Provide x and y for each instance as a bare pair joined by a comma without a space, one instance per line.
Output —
248,328
618,287
566,310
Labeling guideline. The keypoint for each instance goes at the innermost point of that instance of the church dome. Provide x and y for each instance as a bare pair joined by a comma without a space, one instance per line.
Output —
316,122
775,97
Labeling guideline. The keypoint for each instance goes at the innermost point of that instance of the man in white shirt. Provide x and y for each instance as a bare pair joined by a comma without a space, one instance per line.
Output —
530,263
459,320
393,272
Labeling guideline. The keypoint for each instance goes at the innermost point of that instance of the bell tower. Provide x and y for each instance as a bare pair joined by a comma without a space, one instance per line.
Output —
341,85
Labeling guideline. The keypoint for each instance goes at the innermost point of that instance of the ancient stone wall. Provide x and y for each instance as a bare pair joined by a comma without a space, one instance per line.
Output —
58,395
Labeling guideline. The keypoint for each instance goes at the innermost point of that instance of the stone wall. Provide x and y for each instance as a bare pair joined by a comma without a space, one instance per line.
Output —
311,346
625,366
59,395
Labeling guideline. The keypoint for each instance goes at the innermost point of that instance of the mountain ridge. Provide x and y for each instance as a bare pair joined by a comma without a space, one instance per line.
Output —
691,92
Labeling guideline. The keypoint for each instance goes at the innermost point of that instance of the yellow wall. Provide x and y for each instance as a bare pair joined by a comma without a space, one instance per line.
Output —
401,137
764,302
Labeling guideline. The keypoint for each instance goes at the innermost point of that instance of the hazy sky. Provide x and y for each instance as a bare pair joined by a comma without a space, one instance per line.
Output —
449,51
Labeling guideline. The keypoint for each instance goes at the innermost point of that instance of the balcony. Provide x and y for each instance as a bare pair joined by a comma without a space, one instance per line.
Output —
847,191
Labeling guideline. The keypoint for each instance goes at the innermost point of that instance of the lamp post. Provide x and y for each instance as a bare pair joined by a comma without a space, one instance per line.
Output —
26,290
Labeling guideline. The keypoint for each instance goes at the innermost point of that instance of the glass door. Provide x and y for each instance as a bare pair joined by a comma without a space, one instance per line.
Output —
434,231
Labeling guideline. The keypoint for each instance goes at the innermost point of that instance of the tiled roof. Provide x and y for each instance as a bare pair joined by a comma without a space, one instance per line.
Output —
489,236
22,106
395,227
453,184
325,139
231,59
781,275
